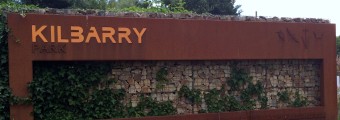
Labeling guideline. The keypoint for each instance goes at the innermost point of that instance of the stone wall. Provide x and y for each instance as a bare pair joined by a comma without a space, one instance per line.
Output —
139,78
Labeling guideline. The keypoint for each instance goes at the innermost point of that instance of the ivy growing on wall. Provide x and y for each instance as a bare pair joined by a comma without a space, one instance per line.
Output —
149,107
238,77
161,78
5,93
78,89
283,96
192,95
81,90
4,89
218,101
298,101
250,94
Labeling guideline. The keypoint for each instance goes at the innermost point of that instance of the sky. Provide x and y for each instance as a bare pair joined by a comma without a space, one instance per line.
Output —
325,9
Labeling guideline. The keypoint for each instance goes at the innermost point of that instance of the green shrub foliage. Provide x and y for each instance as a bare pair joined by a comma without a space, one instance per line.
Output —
192,95
5,93
4,89
218,101
149,107
78,90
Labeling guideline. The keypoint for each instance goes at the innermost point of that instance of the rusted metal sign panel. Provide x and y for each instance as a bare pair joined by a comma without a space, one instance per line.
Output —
54,37
68,38
316,113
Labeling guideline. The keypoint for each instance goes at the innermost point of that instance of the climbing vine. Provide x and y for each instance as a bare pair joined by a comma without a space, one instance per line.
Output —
81,90
250,94
283,96
299,101
217,101
161,78
4,89
238,77
192,95
73,88
5,94
149,107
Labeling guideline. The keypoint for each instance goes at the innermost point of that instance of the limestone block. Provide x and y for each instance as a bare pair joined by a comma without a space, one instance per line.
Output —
118,86
149,77
274,82
198,81
281,78
213,72
172,88
132,89
137,77
195,75
146,89
227,75
180,111
165,97
127,69
154,96
116,71
138,87
131,81
289,84
212,86
190,86
134,103
136,71
205,70
178,88
144,72
159,97
146,82
187,72
189,78
153,85
176,78
172,96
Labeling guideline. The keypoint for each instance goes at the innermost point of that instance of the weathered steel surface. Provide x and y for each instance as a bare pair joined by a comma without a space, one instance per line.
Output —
173,39
170,39
315,113
208,116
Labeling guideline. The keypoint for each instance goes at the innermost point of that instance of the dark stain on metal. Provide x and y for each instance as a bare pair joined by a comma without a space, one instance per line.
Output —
318,36
281,35
305,39
292,36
